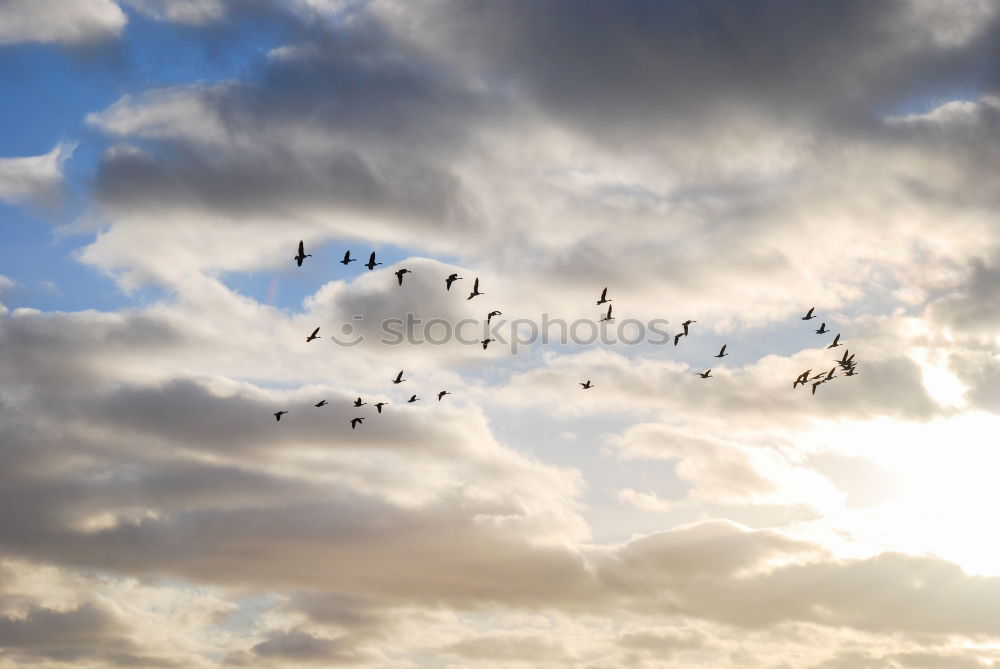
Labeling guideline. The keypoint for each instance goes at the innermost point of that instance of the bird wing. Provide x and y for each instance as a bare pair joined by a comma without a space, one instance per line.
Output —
399,377
314,332
723,349
399,277
302,249
604,293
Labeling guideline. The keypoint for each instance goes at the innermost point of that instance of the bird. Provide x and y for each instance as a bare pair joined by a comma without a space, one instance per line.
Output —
803,377
608,316
279,414
677,337
322,403
490,316
359,403
302,255
347,258
486,342
686,324
475,290
829,375
809,314
371,261
400,273
706,374
836,341
851,371
452,278
379,405
313,336
442,394
822,329
413,398
722,352
399,377
845,360
604,297
587,385
355,421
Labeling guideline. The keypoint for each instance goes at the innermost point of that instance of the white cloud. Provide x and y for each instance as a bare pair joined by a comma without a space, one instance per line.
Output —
68,22
35,179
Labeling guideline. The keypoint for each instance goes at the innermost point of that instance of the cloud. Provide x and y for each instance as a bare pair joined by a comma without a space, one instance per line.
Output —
69,22
35,179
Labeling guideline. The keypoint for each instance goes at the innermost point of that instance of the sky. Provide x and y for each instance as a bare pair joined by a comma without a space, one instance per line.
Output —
733,163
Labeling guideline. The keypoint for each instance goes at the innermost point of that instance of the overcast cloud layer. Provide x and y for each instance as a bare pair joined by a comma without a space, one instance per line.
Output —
730,162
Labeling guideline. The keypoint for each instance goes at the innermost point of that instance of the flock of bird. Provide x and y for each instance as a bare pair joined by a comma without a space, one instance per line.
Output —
846,363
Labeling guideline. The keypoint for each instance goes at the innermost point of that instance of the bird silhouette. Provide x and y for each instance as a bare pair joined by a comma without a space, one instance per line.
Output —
802,379
809,315
678,336
604,296
851,371
836,341
399,377
313,336
486,342
413,398
686,324
279,414
722,352
587,385
359,403
475,290
706,374
371,261
845,360
608,316
302,255
400,273
490,316
379,405
355,421
347,258
322,403
822,329
442,394
452,278
829,375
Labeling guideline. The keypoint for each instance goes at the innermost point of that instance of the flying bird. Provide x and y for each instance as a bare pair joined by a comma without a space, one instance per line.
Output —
706,374
803,377
379,405
413,398
322,403
400,273
475,290
678,336
490,316
452,278
822,329
355,421
686,324
608,316
829,375
302,254
347,258
313,336
359,403
371,261
604,297
442,394
836,341
809,315
722,352
587,385
486,342
399,377
279,414
851,371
